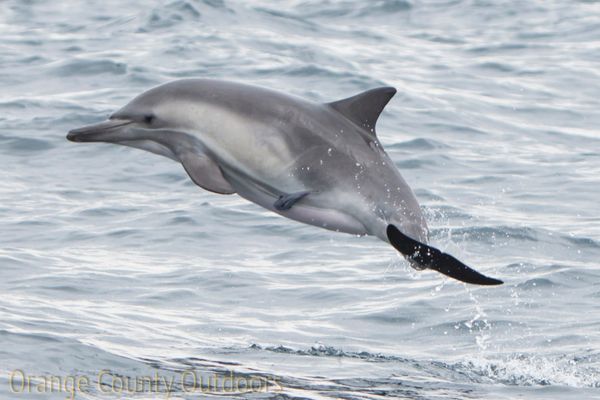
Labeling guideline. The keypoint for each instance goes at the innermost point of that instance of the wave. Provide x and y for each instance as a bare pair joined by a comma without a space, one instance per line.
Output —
510,370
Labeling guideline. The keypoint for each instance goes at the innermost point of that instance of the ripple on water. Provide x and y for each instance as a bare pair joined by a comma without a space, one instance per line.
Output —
350,9
170,14
419,144
490,234
90,67
25,144
537,283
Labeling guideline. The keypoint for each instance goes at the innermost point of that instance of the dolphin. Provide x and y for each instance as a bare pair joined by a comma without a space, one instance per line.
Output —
320,164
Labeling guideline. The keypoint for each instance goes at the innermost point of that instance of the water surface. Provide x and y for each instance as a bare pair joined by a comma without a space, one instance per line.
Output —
113,260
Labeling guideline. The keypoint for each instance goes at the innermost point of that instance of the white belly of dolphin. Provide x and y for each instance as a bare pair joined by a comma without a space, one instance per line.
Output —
323,217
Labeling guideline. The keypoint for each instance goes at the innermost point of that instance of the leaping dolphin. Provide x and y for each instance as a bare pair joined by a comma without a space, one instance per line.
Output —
321,164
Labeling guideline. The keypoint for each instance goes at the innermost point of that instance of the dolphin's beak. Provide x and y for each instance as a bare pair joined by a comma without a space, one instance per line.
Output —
102,132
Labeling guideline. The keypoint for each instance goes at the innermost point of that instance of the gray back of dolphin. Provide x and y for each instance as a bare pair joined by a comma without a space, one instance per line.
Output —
321,164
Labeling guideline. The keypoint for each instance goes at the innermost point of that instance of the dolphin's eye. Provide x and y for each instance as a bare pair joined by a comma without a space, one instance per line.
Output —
148,118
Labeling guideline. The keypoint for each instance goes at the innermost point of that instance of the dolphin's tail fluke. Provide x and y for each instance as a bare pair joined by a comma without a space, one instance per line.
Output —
430,257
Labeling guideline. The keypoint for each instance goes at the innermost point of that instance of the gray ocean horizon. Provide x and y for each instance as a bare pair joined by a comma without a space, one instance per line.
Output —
120,276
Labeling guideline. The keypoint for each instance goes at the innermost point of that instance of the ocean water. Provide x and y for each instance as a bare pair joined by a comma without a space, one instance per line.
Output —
114,266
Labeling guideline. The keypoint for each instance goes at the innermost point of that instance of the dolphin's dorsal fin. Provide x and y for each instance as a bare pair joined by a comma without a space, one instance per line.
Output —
364,108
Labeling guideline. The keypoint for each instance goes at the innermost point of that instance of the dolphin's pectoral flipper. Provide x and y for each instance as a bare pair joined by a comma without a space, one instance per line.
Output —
430,257
286,201
205,173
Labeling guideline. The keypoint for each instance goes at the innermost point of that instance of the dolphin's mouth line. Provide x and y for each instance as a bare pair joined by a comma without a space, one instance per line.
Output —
91,133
